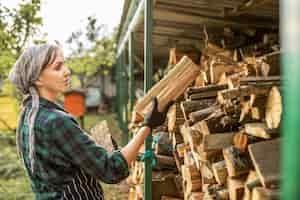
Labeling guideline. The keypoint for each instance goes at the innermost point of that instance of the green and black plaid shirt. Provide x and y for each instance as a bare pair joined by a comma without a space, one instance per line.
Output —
67,161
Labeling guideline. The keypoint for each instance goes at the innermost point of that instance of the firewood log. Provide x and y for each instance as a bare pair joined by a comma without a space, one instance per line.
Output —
191,106
260,193
260,130
217,141
236,163
220,172
235,188
207,174
252,181
274,108
196,196
170,87
266,160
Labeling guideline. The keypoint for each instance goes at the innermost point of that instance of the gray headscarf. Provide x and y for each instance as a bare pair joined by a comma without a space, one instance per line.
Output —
23,75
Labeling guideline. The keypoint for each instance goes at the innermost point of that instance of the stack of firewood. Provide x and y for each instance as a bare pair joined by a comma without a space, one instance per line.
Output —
223,127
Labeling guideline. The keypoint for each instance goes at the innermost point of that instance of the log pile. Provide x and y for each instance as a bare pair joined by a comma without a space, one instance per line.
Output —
224,136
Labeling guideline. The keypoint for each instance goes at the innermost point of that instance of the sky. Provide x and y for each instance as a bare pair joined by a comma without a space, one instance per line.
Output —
62,17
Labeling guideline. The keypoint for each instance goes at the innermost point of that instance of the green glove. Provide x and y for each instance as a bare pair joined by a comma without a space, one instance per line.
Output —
155,118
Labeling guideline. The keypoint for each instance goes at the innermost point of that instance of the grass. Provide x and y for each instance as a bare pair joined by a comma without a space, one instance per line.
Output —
14,185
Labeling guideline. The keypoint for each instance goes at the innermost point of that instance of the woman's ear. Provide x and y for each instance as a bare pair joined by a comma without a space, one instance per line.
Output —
38,83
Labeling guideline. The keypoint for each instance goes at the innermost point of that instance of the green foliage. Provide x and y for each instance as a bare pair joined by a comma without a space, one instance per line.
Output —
14,183
17,27
92,52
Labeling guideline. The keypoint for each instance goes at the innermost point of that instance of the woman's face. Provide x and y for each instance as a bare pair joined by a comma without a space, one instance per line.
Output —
55,78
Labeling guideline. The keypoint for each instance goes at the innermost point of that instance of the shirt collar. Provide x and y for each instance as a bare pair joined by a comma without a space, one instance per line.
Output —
46,103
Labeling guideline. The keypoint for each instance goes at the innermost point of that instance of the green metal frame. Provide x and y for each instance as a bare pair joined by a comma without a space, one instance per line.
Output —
131,71
124,98
146,6
131,75
290,41
147,86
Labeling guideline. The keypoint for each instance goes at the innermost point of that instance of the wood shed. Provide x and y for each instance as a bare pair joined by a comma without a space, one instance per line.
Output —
219,61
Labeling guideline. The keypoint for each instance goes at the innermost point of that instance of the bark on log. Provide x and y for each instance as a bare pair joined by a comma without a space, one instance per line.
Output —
191,106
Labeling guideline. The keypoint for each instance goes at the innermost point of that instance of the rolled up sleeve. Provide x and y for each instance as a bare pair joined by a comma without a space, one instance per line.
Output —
83,152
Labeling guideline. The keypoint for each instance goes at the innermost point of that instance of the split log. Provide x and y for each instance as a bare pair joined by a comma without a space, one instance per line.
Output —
217,141
243,91
274,108
204,113
178,161
176,139
133,195
191,106
220,172
196,196
235,188
169,198
170,87
207,174
236,163
240,141
101,134
222,194
180,149
260,130
165,161
260,193
193,185
175,118
252,181
190,172
189,158
164,185
253,80
266,160
162,144
209,88
207,92
194,137
201,127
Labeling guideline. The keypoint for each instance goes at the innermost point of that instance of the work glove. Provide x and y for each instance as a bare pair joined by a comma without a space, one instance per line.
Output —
155,118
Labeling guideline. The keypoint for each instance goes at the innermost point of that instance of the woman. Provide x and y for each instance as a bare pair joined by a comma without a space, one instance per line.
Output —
61,160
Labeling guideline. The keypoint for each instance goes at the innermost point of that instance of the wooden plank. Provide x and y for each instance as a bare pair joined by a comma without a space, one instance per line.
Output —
266,160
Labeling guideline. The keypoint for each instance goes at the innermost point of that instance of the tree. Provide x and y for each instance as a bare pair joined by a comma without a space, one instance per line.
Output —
18,26
92,52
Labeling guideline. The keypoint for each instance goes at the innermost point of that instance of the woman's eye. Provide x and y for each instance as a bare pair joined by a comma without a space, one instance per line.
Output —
57,67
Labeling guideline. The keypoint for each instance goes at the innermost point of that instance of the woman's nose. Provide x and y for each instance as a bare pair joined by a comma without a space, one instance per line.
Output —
67,71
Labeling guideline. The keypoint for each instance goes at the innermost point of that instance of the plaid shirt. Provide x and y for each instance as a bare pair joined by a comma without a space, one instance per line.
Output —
68,162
